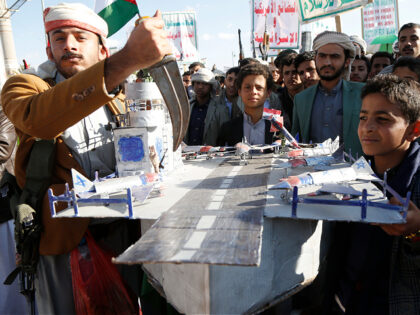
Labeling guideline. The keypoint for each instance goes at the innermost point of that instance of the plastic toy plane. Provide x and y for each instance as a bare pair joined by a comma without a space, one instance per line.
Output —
343,183
109,196
327,147
193,151
315,161
359,170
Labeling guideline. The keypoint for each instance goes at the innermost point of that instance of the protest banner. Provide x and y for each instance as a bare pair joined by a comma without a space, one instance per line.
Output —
380,19
310,10
182,34
319,26
280,19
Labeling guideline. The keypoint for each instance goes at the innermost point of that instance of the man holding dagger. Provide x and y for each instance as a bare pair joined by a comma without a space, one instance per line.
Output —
71,100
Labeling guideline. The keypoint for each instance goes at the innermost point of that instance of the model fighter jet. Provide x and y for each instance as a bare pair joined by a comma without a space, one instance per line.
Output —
109,196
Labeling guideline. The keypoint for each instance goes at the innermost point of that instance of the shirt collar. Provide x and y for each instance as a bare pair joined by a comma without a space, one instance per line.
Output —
335,89
59,77
249,120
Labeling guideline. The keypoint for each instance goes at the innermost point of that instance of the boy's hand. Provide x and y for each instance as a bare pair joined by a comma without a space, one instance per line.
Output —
413,221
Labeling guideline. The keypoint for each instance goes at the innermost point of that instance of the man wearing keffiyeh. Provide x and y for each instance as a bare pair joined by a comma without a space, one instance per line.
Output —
331,107
70,99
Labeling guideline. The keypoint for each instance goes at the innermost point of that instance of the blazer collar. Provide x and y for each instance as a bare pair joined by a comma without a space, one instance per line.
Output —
349,101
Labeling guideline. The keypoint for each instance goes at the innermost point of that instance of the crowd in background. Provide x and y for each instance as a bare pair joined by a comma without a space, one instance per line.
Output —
214,94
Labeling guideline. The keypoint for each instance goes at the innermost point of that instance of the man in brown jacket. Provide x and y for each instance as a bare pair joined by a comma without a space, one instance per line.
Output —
72,98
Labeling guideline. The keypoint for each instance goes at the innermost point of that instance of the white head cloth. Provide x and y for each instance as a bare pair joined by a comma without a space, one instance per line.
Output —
330,37
75,15
361,42
395,47
206,76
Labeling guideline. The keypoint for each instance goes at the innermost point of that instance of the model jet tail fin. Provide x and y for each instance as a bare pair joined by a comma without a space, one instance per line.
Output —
80,183
363,170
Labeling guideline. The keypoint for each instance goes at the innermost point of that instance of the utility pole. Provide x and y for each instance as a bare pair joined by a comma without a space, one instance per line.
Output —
6,38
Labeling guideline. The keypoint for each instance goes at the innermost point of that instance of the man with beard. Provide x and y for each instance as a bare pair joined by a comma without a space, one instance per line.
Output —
305,66
292,86
331,107
72,99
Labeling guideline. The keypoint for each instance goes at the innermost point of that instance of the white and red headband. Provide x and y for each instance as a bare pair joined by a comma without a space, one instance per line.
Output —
75,15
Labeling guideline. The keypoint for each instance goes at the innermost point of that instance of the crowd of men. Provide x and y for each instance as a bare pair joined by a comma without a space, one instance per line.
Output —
67,103
320,94
299,78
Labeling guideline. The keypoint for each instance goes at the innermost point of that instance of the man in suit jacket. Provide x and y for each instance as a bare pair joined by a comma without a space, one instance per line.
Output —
292,86
331,107
229,95
70,99
205,110
254,84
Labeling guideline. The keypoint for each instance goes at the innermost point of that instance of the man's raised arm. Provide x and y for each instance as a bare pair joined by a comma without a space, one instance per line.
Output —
146,46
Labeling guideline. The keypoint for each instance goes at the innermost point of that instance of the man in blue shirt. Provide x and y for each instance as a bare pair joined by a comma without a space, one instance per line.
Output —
331,107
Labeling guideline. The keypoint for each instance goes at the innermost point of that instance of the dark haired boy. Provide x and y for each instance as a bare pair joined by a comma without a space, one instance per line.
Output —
186,79
375,269
407,68
360,69
278,60
247,61
229,95
254,83
379,61
195,66
306,68
292,86
272,101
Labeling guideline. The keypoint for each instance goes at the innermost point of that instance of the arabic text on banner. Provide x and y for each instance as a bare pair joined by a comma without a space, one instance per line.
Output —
182,34
315,9
379,18
282,22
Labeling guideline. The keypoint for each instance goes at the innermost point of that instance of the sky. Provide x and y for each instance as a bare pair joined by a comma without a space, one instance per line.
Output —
217,26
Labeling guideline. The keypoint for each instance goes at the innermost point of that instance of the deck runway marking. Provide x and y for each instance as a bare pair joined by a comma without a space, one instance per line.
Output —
218,197
236,169
206,222
214,205
196,239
